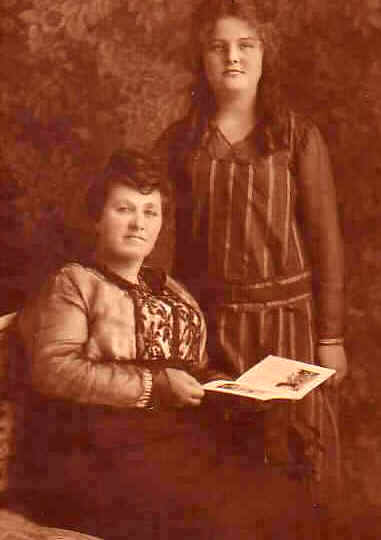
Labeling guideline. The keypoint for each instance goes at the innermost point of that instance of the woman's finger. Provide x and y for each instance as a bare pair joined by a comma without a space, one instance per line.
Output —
197,392
194,401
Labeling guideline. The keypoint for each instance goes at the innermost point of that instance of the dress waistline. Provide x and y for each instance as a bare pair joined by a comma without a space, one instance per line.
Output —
277,291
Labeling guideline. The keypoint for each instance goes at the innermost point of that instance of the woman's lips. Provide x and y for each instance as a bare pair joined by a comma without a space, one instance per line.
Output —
233,72
135,237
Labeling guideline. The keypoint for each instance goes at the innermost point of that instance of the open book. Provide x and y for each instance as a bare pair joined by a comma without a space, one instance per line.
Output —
274,378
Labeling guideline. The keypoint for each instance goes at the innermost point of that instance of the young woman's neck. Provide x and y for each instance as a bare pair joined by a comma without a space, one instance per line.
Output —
236,117
126,269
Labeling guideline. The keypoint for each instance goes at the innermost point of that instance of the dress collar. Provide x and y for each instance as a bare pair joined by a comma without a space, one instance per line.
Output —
149,279
219,147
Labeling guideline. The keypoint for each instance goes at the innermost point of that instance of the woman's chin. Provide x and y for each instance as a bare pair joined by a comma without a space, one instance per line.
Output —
128,257
133,255
233,88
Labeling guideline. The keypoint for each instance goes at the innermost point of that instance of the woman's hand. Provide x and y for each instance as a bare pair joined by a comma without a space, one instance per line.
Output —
334,357
186,389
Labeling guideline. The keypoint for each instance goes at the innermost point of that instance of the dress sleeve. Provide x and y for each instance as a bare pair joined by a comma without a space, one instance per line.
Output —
166,149
319,221
55,332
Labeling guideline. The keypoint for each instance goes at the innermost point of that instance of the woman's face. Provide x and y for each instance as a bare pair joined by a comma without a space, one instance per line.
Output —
130,223
232,57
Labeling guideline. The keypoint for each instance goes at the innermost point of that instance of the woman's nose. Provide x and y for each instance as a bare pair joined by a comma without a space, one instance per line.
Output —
232,54
137,221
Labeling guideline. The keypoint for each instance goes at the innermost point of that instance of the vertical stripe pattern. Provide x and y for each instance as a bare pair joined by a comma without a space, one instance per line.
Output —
248,223
298,245
196,202
281,337
261,332
286,232
228,232
253,237
252,231
241,353
291,322
212,179
268,216
311,359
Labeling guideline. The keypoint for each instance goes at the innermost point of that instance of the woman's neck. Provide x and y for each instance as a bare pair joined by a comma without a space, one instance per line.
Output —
127,270
235,118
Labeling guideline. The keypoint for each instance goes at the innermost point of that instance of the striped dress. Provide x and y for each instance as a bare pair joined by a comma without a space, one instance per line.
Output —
258,244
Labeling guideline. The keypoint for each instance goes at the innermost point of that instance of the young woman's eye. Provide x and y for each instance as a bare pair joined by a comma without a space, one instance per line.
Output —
151,213
247,46
217,47
123,209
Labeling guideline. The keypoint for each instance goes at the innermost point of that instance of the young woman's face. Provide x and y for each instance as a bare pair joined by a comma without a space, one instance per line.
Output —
130,223
232,58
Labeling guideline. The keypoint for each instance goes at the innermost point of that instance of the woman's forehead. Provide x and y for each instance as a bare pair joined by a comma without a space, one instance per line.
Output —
122,192
232,27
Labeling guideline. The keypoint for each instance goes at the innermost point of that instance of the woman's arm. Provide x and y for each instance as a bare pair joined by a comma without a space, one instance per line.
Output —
322,232
171,149
55,330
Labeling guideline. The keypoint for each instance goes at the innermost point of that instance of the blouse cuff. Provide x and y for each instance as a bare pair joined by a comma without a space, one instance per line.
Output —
145,399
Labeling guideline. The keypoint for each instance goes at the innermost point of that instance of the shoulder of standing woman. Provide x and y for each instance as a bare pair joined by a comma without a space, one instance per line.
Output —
303,129
172,137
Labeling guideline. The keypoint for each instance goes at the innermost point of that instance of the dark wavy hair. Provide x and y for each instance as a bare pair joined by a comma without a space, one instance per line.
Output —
272,112
130,168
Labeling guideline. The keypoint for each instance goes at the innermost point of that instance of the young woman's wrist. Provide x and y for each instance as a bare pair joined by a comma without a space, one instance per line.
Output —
331,341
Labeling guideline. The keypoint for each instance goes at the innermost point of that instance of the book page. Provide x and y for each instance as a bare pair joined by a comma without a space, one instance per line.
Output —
239,389
275,378
290,378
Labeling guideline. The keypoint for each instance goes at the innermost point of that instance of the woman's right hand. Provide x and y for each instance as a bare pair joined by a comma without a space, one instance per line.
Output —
186,389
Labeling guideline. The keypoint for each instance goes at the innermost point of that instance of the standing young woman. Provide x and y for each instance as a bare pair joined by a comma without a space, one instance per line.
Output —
258,241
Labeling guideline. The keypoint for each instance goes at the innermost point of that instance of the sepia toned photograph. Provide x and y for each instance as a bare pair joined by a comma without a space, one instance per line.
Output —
237,388
297,380
186,188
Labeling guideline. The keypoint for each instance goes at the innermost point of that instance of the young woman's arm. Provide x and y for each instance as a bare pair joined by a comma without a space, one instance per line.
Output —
324,240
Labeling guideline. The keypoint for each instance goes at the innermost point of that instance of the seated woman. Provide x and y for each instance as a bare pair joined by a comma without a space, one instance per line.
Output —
116,443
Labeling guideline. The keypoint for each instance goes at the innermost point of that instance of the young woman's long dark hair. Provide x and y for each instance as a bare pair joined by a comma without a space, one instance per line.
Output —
272,114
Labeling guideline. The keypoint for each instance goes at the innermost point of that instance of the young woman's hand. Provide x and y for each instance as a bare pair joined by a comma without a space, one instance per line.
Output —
186,389
334,357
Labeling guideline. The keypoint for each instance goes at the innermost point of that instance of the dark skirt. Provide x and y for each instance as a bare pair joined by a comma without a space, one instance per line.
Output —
147,475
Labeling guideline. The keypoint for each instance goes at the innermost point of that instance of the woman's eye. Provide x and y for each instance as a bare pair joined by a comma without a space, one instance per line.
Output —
217,48
123,209
151,213
247,45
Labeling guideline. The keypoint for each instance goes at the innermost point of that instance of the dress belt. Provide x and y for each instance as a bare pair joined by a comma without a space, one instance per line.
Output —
283,289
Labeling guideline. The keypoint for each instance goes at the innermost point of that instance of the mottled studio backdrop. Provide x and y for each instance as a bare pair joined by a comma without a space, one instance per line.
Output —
79,78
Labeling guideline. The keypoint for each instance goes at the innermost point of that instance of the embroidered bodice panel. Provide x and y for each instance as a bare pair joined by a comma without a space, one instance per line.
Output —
167,328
